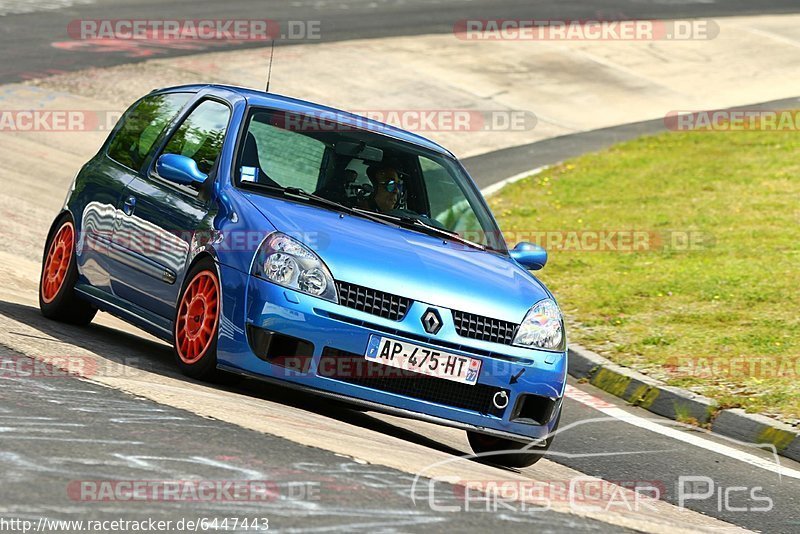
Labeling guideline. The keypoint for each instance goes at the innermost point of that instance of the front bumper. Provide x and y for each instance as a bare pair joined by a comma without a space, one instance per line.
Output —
531,380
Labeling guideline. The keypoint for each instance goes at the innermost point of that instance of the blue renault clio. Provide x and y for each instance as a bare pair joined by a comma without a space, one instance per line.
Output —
291,242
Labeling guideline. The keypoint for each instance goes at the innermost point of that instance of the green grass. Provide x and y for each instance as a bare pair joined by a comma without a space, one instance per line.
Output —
734,294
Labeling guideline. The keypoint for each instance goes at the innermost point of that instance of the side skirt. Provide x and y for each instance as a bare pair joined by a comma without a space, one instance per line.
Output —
127,311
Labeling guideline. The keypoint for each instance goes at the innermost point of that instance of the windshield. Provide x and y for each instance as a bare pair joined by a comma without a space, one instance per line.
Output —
366,171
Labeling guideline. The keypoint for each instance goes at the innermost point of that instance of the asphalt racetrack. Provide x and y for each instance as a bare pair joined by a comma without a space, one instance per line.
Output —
319,465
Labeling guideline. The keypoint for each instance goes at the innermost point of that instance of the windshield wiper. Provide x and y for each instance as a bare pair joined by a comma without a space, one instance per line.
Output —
441,231
413,222
305,195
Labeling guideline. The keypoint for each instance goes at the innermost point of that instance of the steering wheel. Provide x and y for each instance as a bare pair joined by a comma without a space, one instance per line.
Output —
360,191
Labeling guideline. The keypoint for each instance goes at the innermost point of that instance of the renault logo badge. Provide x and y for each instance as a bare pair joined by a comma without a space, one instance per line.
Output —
432,321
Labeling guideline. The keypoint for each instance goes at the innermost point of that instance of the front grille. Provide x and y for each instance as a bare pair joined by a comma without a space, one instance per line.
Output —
484,328
373,301
424,339
355,369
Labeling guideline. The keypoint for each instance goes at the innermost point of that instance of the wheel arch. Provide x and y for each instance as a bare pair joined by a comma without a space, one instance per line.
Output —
54,226
205,254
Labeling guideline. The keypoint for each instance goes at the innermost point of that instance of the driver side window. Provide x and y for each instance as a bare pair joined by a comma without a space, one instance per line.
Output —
449,206
288,158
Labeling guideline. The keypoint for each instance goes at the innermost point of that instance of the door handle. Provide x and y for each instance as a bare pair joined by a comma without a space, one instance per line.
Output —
129,205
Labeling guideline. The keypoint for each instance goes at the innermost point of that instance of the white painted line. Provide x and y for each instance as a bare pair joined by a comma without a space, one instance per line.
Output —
674,433
494,188
774,37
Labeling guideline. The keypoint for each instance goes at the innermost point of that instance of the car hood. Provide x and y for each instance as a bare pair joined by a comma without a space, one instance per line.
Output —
406,262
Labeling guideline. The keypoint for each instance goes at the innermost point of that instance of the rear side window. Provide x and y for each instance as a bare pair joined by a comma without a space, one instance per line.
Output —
142,126
201,135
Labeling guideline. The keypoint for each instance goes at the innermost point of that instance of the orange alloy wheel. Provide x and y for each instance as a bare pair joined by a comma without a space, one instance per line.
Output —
57,262
198,315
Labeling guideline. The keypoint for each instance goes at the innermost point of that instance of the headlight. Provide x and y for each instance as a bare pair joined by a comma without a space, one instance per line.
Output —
542,328
287,262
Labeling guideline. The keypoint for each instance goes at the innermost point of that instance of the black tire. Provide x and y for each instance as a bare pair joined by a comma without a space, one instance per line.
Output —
205,366
58,301
483,443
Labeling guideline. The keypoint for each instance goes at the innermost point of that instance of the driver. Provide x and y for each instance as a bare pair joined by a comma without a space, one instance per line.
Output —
387,187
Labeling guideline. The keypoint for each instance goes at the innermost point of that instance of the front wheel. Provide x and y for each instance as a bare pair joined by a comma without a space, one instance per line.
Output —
515,454
197,322
57,299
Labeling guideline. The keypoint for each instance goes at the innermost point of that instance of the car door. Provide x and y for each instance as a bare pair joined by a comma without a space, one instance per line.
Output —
103,179
156,228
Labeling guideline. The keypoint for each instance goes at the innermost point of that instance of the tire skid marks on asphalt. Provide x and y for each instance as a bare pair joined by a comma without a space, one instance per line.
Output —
26,428
19,7
146,461
679,434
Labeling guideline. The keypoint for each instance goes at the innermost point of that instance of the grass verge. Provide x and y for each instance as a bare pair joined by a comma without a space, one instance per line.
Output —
699,283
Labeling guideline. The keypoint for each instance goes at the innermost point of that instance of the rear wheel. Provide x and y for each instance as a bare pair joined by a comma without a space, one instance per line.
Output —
482,443
57,299
197,322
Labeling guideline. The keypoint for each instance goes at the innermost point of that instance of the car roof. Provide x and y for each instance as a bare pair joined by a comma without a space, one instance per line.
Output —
286,103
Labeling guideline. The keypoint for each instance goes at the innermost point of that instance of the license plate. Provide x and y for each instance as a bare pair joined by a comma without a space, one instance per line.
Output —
422,360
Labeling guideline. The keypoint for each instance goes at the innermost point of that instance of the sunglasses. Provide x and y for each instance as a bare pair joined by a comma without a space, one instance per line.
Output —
393,186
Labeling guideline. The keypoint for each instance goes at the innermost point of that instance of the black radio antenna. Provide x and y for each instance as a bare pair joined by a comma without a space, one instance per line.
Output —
271,53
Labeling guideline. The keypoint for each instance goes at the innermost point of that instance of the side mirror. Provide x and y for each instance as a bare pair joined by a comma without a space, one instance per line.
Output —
180,170
530,256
